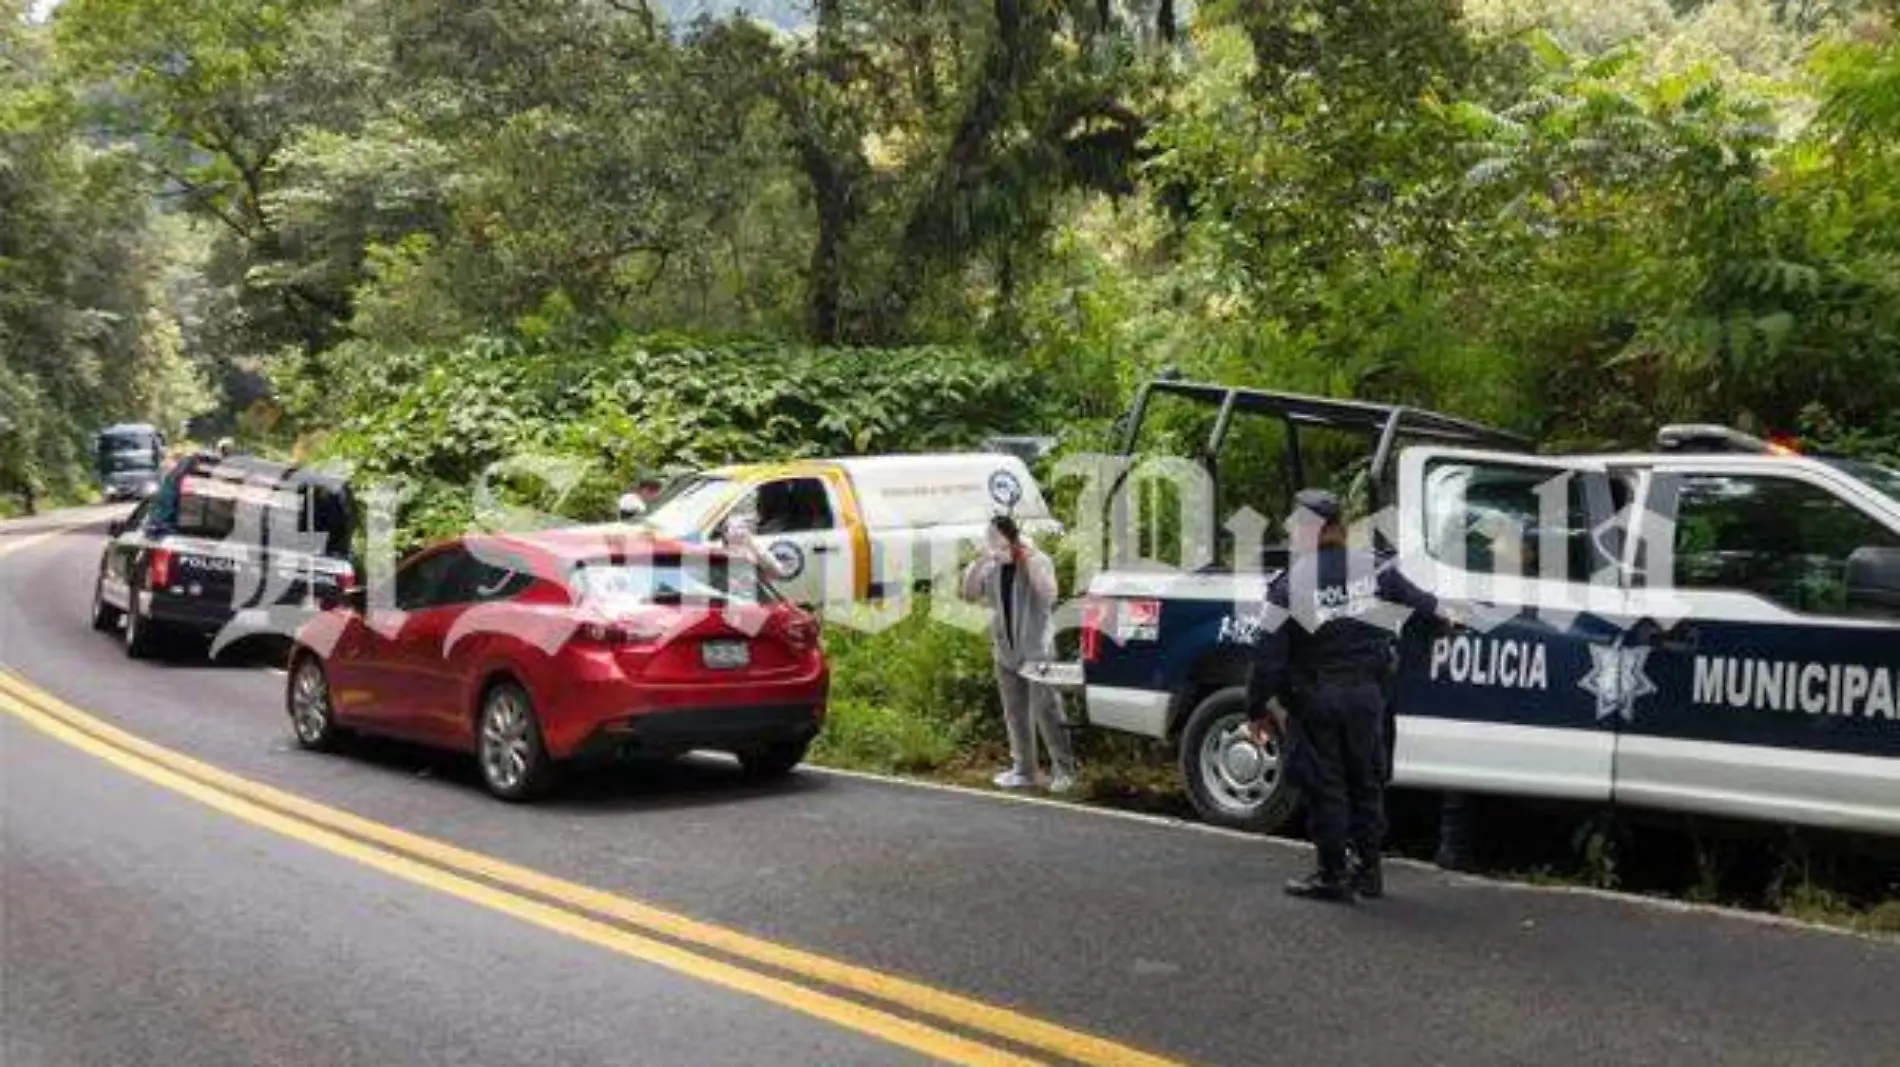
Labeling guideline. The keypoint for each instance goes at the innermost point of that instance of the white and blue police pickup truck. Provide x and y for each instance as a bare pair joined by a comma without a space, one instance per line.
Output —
1712,628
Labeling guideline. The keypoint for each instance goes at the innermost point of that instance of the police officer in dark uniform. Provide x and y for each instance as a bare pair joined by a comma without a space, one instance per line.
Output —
1327,657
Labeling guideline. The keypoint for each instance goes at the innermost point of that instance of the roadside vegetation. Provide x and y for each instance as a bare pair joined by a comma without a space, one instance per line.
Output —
538,248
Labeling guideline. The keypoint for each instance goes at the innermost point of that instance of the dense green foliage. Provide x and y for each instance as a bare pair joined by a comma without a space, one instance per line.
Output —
577,421
90,327
421,236
1580,219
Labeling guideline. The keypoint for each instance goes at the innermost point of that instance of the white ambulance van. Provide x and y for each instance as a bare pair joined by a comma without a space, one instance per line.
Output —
861,528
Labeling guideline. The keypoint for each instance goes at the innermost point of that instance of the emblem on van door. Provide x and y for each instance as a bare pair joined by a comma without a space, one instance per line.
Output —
791,559
1617,680
1005,489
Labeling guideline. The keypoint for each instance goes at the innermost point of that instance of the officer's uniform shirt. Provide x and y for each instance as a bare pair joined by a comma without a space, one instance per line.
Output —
1324,619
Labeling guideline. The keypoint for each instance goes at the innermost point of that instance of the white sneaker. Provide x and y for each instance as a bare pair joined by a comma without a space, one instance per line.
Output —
1062,782
1013,779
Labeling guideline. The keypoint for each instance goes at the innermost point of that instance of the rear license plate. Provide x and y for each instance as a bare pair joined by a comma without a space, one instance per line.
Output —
725,655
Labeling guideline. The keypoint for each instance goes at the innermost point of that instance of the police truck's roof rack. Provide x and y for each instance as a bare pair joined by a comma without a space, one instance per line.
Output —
1335,413
1380,423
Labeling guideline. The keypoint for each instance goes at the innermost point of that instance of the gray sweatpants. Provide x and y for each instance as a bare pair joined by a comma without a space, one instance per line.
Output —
1028,710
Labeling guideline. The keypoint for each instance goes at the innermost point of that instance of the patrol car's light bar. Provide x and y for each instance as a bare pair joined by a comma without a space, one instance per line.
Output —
1703,437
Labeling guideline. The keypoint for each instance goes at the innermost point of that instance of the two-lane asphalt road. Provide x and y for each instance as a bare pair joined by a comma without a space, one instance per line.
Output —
178,885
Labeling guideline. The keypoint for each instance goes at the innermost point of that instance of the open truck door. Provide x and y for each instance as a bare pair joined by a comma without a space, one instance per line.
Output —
1524,700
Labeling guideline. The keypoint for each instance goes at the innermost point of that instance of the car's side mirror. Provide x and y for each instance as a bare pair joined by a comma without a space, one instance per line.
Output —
631,506
1873,579
117,527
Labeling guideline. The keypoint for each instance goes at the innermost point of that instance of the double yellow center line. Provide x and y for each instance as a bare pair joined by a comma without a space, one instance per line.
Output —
942,1025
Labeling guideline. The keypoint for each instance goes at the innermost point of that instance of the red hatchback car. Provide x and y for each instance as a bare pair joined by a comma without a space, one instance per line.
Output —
529,651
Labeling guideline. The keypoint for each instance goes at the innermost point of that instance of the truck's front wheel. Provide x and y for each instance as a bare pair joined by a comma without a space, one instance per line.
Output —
1232,781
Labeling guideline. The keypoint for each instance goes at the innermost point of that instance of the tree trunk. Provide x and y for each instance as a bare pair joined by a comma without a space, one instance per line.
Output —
831,188
936,231
832,199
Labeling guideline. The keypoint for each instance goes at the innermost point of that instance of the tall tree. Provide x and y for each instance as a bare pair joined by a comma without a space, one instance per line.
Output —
210,91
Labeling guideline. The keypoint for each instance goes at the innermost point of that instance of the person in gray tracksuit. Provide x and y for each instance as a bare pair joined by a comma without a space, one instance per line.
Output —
1017,581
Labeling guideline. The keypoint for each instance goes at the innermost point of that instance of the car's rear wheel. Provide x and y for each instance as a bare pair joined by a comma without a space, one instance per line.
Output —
312,713
105,617
141,633
514,760
1232,781
775,760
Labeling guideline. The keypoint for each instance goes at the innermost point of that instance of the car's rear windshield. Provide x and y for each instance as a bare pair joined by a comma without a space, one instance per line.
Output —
687,579
299,518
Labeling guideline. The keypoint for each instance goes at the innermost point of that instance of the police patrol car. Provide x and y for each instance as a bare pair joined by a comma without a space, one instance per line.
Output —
233,547
1713,627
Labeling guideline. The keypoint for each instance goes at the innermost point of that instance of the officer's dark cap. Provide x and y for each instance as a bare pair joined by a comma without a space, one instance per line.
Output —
1318,503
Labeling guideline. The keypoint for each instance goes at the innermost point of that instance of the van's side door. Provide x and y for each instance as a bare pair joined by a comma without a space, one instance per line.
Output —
1775,682
802,524
1511,704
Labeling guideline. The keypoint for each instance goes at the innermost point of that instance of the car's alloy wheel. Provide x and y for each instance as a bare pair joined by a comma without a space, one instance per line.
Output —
1237,773
312,716
105,617
140,634
515,765
1231,780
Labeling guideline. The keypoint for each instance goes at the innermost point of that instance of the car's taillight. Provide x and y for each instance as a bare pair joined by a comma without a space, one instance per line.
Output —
1095,613
620,634
1140,621
160,567
346,579
801,633
1124,621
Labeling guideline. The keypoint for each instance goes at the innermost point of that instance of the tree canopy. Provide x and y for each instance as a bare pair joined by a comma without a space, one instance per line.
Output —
1574,218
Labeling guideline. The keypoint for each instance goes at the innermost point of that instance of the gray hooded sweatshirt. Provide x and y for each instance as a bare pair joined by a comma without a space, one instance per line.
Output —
1019,631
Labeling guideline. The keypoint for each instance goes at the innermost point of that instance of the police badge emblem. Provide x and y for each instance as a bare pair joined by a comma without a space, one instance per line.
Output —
791,558
1005,489
1617,680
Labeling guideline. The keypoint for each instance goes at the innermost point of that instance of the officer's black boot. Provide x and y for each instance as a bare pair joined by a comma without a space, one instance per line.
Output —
1327,883
1367,876
1321,885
